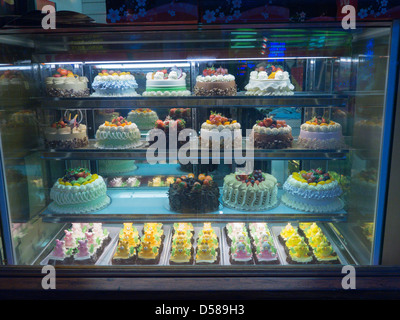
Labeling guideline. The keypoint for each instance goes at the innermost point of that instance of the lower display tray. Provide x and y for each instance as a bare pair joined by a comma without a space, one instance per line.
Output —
223,246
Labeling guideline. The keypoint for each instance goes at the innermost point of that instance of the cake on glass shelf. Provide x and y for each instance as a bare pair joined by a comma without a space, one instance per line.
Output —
272,134
191,194
320,133
78,191
110,83
250,192
65,84
118,134
269,80
312,191
66,134
220,132
215,82
167,83
144,118
110,167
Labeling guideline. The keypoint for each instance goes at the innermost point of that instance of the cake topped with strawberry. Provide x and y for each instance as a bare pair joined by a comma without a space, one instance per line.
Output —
215,82
220,122
269,80
66,134
112,83
166,82
272,134
64,83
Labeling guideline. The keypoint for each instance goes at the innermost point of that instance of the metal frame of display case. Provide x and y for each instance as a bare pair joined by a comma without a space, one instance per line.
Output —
145,279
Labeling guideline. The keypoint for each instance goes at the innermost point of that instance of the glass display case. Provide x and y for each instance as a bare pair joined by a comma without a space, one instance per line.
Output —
241,148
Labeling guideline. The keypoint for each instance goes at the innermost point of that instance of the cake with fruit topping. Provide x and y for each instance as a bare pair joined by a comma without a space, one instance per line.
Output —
65,84
312,191
144,118
110,83
78,191
190,194
269,80
166,82
169,127
272,134
220,132
320,133
215,82
181,113
250,192
66,134
118,134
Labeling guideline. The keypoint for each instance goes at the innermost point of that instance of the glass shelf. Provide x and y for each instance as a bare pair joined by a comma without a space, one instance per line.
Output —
299,99
151,204
140,153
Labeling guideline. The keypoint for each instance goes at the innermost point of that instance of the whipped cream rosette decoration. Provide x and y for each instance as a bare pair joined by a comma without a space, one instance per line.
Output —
215,82
250,192
65,84
78,191
118,134
269,80
166,82
313,191
272,134
321,133
110,83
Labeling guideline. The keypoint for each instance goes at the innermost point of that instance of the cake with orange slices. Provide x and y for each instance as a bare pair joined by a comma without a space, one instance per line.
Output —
320,133
220,132
78,191
64,83
110,83
312,191
118,134
144,118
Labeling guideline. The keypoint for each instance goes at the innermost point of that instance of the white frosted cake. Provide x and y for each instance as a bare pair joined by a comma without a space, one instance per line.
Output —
165,82
226,132
320,133
144,118
312,191
114,84
78,191
270,80
65,134
250,192
118,134
66,84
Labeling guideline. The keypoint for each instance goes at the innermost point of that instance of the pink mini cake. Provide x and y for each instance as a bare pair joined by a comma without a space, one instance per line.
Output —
320,133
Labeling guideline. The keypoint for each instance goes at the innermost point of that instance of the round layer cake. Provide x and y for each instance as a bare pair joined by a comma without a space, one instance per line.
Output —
109,167
215,82
165,82
114,84
270,80
66,134
118,134
320,133
272,134
250,192
144,118
78,191
220,132
66,84
312,191
190,194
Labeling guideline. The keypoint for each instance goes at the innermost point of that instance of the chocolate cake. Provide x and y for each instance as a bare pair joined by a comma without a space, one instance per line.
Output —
190,194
